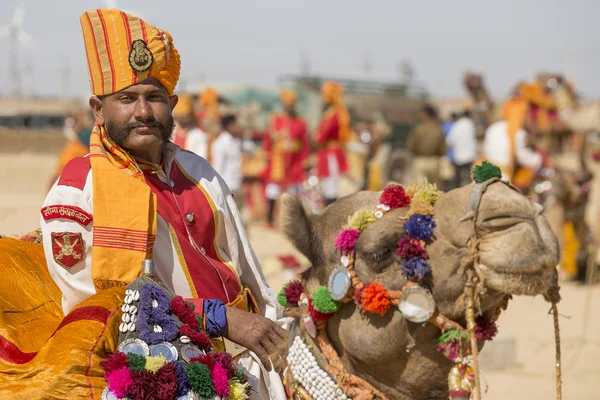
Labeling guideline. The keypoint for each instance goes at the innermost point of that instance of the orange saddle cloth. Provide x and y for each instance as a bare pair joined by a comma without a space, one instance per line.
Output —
44,354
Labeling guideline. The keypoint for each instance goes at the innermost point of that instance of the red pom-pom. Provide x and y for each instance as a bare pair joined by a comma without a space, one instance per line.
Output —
166,382
410,248
292,292
205,359
143,386
485,329
184,312
115,361
394,197
200,339
375,299
316,315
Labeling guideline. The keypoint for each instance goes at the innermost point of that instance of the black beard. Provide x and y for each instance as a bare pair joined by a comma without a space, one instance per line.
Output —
121,133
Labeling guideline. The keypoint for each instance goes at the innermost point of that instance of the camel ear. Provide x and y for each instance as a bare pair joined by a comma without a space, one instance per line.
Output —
298,227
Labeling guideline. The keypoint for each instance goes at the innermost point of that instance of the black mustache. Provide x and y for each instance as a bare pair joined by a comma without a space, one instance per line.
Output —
147,124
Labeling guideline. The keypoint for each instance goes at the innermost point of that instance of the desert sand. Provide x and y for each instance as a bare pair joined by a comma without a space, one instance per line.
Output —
518,365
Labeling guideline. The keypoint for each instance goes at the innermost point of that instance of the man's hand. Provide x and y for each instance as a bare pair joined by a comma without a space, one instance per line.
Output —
264,337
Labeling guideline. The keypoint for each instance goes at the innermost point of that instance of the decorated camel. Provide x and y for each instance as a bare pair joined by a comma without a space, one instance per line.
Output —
405,286
404,282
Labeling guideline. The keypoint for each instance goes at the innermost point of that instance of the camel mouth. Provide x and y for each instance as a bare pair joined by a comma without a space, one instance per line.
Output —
529,282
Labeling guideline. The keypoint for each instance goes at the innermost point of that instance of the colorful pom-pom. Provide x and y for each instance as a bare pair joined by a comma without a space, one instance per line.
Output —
200,379
415,269
315,314
226,361
183,385
292,291
410,248
412,189
427,192
282,299
451,343
322,301
115,361
485,171
485,330
361,219
345,240
237,391
166,382
420,226
375,299
143,386
420,206
394,197
136,362
153,364
119,381
220,381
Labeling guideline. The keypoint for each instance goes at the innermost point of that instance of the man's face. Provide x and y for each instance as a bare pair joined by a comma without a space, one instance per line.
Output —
235,129
186,120
138,117
290,109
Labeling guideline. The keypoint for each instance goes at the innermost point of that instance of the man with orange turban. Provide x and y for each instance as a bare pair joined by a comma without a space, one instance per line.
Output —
287,147
188,134
139,197
332,135
506,141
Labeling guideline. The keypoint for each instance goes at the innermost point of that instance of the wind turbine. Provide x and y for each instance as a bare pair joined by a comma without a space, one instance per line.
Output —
16,36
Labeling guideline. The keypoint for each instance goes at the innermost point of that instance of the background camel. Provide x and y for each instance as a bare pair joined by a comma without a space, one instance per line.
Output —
518,254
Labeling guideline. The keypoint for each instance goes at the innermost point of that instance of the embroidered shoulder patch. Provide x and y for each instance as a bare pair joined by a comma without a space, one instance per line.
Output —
68,248
73,213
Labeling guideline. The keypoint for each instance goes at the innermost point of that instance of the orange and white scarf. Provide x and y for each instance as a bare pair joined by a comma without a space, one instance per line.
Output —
125,214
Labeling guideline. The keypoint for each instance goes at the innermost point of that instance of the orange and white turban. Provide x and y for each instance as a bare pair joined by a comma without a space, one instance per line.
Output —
332,92
288,97
123,50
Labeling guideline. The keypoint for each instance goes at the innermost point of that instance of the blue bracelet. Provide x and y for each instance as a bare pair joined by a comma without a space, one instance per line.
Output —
215,315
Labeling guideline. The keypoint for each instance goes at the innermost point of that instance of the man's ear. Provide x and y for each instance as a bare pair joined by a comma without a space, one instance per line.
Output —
97,107
174,100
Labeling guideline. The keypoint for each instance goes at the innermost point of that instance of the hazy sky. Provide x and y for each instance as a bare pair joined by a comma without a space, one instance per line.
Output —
255,41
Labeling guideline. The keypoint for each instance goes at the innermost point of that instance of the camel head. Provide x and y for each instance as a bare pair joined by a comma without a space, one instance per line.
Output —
517,255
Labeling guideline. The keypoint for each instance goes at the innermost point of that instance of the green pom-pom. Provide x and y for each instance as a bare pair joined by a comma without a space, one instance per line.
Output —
485,171
200,379
136,362
281,298
322,301
239,374
453,335
200,321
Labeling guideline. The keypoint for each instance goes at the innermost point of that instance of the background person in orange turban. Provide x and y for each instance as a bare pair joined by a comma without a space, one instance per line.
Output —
332,135
287,147
188,134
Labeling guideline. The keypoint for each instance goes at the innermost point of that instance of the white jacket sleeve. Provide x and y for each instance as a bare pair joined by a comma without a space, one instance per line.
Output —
74,282
524,155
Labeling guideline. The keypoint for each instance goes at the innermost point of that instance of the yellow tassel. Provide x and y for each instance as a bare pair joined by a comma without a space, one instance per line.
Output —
428,192
361,219
153,364
237,391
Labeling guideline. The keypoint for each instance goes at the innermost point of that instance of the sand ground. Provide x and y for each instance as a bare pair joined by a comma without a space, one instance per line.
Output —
519,365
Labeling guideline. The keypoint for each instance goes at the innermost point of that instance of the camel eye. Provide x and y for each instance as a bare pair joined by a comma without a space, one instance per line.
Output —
380,260
378,256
